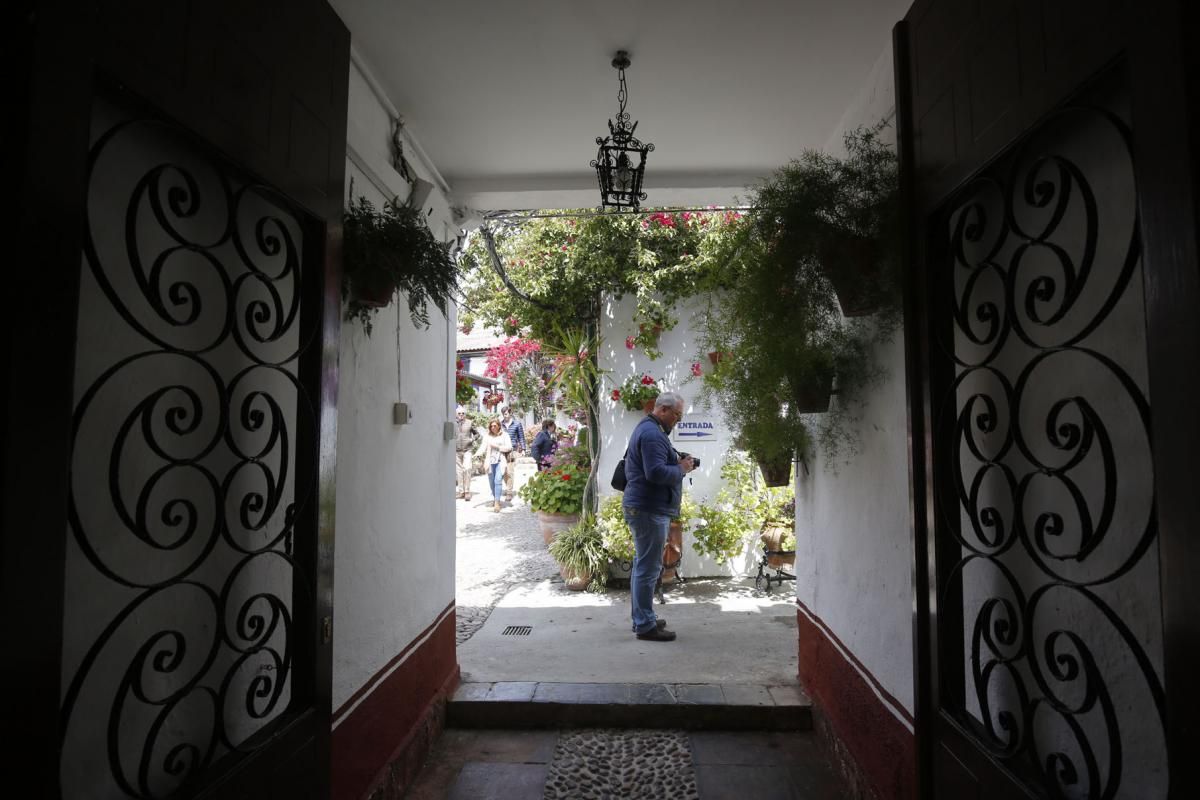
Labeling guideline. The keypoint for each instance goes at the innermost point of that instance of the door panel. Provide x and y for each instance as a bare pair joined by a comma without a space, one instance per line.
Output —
171,398
1042,624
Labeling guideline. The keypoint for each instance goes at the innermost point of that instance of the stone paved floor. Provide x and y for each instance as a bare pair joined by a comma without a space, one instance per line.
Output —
495,552
624,764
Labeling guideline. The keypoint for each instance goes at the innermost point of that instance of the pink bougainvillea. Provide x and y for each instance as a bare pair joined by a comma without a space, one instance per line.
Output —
696,369
630,342
503,357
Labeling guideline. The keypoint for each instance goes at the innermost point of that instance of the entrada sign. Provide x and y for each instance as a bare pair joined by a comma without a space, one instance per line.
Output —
695,429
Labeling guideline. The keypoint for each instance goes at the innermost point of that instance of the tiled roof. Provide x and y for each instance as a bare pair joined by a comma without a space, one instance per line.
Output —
478,340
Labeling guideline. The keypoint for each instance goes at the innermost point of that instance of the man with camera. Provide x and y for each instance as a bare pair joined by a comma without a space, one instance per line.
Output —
654,471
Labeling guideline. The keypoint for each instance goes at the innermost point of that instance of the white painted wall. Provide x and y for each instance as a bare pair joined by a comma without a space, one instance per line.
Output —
394,561
673,368
854,558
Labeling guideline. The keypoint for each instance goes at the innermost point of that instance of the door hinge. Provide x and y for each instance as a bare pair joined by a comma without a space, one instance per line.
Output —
326,630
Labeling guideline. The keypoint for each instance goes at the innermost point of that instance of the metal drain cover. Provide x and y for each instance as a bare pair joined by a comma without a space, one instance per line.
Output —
517,630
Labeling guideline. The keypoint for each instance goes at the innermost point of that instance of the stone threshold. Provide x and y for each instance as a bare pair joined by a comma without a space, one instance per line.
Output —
687,706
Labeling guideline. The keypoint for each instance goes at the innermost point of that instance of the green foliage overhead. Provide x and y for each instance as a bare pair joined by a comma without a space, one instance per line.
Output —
564,264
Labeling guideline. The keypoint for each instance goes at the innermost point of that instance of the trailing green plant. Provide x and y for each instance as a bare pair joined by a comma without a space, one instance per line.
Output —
719,531
580,550
785,344
389,250
560,489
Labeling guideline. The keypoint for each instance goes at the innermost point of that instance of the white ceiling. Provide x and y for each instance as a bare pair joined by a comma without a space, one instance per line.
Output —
507,97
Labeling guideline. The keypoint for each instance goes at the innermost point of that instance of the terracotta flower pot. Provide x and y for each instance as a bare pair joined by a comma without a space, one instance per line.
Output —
772,536
550,524
852,265
716,356
576,583
672,551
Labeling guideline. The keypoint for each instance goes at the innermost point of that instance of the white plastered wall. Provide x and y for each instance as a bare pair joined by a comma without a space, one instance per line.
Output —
394,559
853,559
673,369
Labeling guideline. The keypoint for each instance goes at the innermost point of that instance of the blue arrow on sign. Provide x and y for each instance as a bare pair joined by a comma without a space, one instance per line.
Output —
694,433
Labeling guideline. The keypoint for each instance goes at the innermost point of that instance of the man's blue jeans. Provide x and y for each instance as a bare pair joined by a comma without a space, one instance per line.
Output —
649,538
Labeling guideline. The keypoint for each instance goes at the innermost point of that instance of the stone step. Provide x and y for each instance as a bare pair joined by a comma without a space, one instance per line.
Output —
687,706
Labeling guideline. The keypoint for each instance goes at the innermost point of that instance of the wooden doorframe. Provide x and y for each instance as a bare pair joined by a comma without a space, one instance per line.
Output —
68,51
1165,83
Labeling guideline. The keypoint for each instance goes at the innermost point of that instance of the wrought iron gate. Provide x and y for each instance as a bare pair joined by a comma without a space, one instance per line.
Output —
1049,631
189,592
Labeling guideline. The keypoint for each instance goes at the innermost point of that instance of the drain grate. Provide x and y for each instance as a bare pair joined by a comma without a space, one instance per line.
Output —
517,630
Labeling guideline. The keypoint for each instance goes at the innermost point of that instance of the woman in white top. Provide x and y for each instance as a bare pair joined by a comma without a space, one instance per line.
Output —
494,448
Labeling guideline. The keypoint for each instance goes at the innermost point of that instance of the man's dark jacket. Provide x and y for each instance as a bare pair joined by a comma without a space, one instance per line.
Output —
653,471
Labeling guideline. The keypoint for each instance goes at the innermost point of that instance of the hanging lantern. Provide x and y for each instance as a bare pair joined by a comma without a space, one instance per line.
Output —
621,161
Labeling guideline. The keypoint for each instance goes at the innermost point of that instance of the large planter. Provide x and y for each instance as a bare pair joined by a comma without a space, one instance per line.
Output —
576,583
550,524
812,396
373,296
672,552
772,537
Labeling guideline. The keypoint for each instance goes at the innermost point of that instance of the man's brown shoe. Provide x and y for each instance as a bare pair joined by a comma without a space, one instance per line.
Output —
657,635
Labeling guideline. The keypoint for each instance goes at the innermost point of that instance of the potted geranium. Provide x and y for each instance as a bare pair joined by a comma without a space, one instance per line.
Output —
637,393
555,495
393,250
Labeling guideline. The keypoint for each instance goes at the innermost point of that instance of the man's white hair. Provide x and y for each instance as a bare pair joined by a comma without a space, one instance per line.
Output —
668,400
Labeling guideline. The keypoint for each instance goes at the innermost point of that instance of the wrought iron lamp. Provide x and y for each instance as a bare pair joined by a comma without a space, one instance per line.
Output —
621,160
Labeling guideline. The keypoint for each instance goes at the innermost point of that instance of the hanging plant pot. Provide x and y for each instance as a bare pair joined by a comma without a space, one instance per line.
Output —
853,265
812,396
776,473
716,356
373,296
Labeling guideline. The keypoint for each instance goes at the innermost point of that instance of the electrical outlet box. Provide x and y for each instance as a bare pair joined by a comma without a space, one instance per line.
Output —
400,414
448,431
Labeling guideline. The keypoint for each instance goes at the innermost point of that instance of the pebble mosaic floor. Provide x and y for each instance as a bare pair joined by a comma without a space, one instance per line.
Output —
602,764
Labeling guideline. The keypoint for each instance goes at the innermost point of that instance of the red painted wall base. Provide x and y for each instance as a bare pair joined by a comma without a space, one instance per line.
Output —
385,730
869,724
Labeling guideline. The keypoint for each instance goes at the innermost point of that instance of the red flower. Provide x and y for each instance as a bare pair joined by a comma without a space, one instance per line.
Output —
696,369
647,380
616,395
629,342
566,477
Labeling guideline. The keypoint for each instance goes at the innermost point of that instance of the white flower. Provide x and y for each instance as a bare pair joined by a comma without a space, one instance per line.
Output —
726,507
701,522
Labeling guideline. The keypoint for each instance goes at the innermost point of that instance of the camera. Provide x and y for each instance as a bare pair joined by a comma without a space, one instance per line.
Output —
695,460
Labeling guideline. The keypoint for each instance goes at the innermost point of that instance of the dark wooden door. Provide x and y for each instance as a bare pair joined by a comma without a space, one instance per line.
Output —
171,386
1050,421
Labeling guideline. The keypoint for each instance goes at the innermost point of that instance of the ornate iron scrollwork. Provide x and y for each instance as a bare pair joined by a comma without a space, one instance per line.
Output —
184,497
1045,427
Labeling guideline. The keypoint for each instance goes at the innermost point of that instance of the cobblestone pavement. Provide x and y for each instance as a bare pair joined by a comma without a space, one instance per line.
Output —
494,552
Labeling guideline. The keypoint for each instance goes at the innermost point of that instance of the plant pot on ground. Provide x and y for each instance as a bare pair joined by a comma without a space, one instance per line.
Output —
582,559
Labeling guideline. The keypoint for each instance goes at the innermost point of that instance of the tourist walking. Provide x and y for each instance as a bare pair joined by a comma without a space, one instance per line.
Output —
465,440
516,435
495,448
544,445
